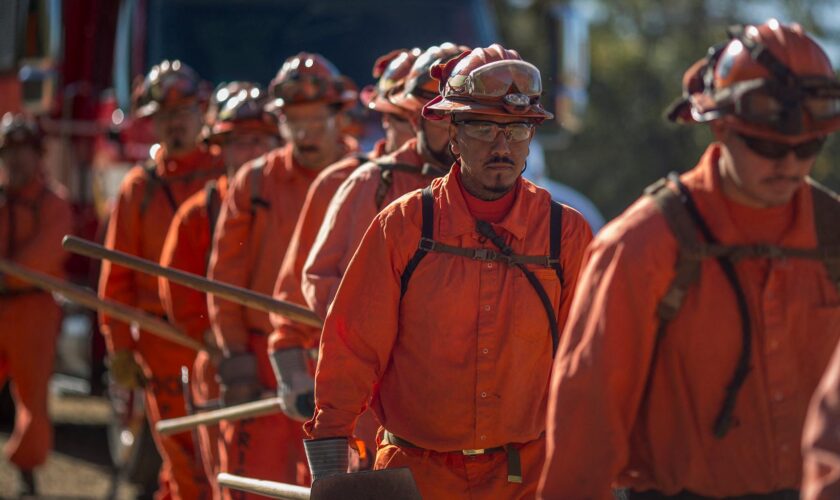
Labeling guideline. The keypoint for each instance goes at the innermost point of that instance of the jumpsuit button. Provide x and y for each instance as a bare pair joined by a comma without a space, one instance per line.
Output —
483,437
483,394
487,308
489,265
485,350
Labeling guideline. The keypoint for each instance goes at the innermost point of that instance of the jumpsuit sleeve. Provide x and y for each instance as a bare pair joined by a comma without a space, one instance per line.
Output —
361,327
185,248
347,216
44,253
230,262
117,282
604,357
820,440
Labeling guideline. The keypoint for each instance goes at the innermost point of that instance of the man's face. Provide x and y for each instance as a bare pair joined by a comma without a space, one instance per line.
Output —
240,147
177,127
755,180
18,165
397,129
314,131
493,150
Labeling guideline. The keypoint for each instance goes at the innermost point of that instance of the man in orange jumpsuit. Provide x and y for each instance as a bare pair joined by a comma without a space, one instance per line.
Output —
705,315
173,96
375,185
448,314
242,130
254,228
34,217
290,340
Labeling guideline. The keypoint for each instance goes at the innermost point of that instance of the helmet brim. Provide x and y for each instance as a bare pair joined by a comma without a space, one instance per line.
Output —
441,108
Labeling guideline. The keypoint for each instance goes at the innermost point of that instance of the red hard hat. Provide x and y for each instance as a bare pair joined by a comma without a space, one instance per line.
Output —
420,87
492,80
311,78
222,93
244,111
391,70
17,129
771,81
169,83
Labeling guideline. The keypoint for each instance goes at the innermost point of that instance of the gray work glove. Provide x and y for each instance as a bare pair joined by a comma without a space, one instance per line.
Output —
295,387
124,370
238,379
327,457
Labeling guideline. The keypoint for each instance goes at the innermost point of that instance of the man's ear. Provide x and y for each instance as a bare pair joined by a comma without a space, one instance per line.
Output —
453,139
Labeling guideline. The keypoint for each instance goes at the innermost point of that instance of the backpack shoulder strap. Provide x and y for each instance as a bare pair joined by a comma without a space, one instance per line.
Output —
826,223
426,234
386,178
687,269
555,238
153,181
255,179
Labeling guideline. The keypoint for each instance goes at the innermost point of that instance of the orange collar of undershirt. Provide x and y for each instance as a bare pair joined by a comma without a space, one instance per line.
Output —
491,211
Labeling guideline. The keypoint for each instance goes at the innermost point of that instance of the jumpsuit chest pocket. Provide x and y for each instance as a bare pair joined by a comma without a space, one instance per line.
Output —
530,319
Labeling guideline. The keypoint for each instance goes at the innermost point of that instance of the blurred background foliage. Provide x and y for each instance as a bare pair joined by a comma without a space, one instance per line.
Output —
639,50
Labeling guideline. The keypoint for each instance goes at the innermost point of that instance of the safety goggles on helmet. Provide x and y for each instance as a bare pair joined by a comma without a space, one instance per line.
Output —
499,79
487,131
172,86
303,88
775,150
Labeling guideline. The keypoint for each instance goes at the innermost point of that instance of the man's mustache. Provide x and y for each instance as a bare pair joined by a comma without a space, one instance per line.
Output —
500,159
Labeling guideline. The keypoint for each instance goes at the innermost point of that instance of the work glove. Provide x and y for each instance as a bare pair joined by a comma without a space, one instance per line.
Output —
124,370
327,457
238,380
295,387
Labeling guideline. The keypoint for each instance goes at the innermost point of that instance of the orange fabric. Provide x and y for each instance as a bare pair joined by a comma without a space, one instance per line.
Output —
143,234
30,322
490,211
602,429
250,241
348,215
268,447
445,476
204,389
820,439
288,333
187,247
494,339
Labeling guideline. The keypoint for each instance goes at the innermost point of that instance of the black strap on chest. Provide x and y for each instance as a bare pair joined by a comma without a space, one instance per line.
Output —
153,181
386,176
505,255
685,221
256,177
213,204
34,206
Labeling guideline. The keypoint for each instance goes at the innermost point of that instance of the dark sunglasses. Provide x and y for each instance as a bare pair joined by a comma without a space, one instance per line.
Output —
777,150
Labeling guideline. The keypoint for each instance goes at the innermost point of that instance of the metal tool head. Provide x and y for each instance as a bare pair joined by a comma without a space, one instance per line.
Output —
383,484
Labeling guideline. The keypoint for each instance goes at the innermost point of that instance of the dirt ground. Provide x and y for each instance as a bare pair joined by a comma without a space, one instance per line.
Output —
79,466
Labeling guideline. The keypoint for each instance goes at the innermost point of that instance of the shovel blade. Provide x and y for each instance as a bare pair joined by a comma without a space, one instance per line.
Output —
385,484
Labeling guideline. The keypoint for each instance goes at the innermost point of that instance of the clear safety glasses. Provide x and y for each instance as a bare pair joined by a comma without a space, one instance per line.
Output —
487,131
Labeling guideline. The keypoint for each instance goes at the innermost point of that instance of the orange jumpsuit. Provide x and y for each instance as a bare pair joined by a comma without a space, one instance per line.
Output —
138,226
288,333
187,247
348,215
251,237
32,223
820,439
602,430
463,360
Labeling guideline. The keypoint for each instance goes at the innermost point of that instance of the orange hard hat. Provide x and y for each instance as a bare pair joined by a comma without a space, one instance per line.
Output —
491,80
311,78
771,81
19,130
169,83
420,87
391,70
244,111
